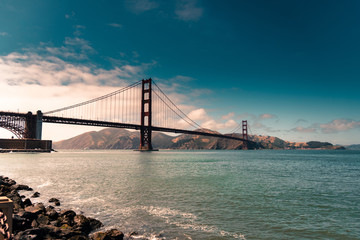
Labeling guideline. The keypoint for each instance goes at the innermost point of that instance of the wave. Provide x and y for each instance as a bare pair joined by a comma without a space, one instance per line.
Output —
45,184
187,221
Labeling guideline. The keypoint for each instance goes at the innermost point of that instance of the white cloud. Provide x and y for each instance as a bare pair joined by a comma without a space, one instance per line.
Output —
74,48
258,125
140,6
217,126
32,68
70,15
199,115
267,116
78,30
187,10
300,120
339,125
181,78
228,116
335,126
304,130
204,120
49,77
115,25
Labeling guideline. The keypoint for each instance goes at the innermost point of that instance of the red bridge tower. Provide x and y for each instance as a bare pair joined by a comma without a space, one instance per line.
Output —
145,129
245,134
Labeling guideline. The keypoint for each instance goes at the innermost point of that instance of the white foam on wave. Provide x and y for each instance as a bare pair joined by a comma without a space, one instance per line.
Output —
168,213
187,221
151,237
45,184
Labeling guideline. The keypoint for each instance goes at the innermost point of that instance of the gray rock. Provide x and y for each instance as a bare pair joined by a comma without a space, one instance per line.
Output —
43,220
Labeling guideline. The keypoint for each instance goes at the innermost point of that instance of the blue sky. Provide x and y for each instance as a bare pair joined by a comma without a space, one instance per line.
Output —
291,68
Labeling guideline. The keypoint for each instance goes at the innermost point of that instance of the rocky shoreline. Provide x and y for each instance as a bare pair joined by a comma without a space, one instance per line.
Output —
38,221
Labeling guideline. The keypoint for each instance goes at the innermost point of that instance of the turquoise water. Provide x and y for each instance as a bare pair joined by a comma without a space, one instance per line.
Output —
203,194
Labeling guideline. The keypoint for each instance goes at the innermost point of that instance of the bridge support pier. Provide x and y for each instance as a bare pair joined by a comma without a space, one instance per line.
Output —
33,125
145,128
38,130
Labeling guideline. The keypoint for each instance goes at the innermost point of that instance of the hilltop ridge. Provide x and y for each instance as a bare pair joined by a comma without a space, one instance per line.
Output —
116,138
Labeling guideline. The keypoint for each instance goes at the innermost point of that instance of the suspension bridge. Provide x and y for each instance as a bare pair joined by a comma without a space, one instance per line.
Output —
140,106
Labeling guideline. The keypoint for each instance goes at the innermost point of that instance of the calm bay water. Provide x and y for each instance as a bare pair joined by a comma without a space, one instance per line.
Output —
203,194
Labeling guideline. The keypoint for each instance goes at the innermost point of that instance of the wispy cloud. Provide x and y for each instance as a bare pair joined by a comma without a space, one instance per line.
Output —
335,126
181,78
179,85
304,129
46,77
31,68
300,120
115,25
201,116
140,6
48,65
2,34
339,125
267,116
70,15
78,30
187,10
228,116
74,47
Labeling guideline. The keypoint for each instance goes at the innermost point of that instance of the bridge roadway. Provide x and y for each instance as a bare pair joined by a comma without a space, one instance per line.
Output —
75,121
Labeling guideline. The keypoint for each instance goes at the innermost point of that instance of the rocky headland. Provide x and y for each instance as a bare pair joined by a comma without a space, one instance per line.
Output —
115,138
48,221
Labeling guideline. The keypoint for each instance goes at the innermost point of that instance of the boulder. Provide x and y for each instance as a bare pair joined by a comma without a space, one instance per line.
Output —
19,187
68,213
34,224
66,218
20,223
42,220
36,209
15,197
79,237
95,224
33,233
55,201
34,221
27,215
35,195
82,223
27,202
52,214
112,234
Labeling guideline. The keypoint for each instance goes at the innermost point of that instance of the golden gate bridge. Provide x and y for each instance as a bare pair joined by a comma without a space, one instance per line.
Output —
140,106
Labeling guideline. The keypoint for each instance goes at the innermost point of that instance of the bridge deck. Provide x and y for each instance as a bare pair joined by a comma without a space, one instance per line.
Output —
85,122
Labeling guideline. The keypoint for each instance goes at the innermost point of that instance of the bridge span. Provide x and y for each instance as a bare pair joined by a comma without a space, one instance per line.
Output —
138,107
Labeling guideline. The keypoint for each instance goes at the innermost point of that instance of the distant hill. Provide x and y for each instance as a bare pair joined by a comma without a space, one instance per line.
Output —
111,138
117,138
353,147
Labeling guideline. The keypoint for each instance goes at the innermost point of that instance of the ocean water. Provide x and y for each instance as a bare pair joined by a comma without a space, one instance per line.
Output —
270,194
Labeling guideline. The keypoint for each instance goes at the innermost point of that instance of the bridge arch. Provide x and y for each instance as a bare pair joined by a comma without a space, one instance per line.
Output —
23,125
14,124
17,131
